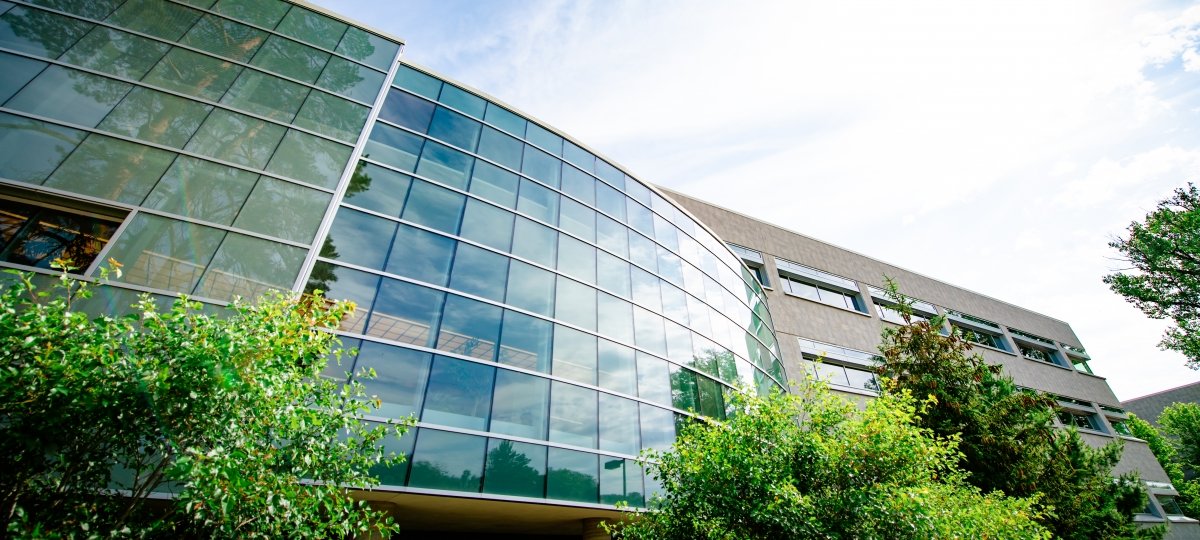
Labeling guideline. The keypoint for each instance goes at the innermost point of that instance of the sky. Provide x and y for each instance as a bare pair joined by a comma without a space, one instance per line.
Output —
997,146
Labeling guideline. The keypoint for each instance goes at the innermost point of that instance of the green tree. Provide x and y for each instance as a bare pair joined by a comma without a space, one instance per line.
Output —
1007,441
812,465
1177,447
1164,275
228,413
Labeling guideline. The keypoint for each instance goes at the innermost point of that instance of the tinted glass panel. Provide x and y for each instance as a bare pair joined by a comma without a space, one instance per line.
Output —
291,59
434,206
612,274
202,189
572,415
574,355
494,184
92,9
460,393
612,236
462,100
579,185
419,83
156,117
265,95
248,267
69,95
421,255
535,242
487,225
615,318
224,37
658,427
501,148
193,73
575,303
394,147
311,27
616,368
163,19
355,238
39,32
450,461
164,253
333,116
572,476
503,119
470,328
352,80
539,202
621,480
542,137
116,52
648,331
310,159
284,210
578,219
515,468
236,138
580,157
341,283
525,342
400,376
444,164
479,272
18,70
111,169
366,47
619,425
530,288
406,313
577,259
521,405
265,13
38,237
454,128
540,166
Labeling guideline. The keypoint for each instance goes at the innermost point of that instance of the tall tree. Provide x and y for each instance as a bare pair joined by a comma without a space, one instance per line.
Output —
812,465
1164,275
228,412
1006,436
1183,475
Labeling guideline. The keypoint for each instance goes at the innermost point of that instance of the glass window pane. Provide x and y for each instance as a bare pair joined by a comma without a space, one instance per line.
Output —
421,255
521,405
202,189
479,272
580,157
503,119
406,313
544,138
658,427
111,169
460,393
540,166
236,138
224,37
39,32
395,474
530,288
674,303
494,184
112,51
394,147
515,468
454,128
577,259
341,283
352,80
193,73
462,100
612,274
610,201
616,368
635,190
265,13
579,185
444,164
666,233
858,378
35,236
310,159
616,318
443,460
407,110
711,403
284,210
501,148
290,59
366,47
17,70
156,117
400,377
355,237
487,225
535,242
330,115
265,95
92,9
684,394
572,415
653,379
643,252
70,96
639,217
575,303
311,27
574,355
646,290
162,19
572,476
470,328
648,331
578,219
164,253
417,82
538,202
377,188
248,267
525,342
619,425
621,481
612,236
434,206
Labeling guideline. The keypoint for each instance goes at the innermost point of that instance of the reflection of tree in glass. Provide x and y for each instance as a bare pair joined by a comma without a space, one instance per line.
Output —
45,33
36,237
431,475
360,181
509,472
323,274
341,76
572,485
356,45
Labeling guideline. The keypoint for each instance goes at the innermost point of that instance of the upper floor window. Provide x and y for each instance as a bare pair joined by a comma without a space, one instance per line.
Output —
754,261
839,366
37,235
885,307
805,282
978,330
1079,419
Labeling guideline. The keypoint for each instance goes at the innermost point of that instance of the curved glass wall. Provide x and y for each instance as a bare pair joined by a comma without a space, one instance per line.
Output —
543,314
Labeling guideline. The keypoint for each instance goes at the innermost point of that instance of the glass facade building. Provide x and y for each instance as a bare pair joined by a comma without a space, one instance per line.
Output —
541,312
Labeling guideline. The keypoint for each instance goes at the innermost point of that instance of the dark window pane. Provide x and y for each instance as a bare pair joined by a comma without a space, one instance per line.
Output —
394,147
355,238
711,402
515,468
162,19
525,342
444,164
421,255
434,206
535,242
236,138
454,128
530,288
406,313
333,116
341,283
193,73
479,272
521,405
540,166
400,377
417,82
487,225
39,32
450,461
470,328
265,95
291,59
92,9
265,13
377,188
249,267
503,119
224,37
494,184
17,70
69,95
116,52
619,425
407,110
574,355
311,27
157,117
164,253
366,47
284,210
310,159
572,415
35,236
462,100
111,169
352,80
460,393
202,189
572,476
